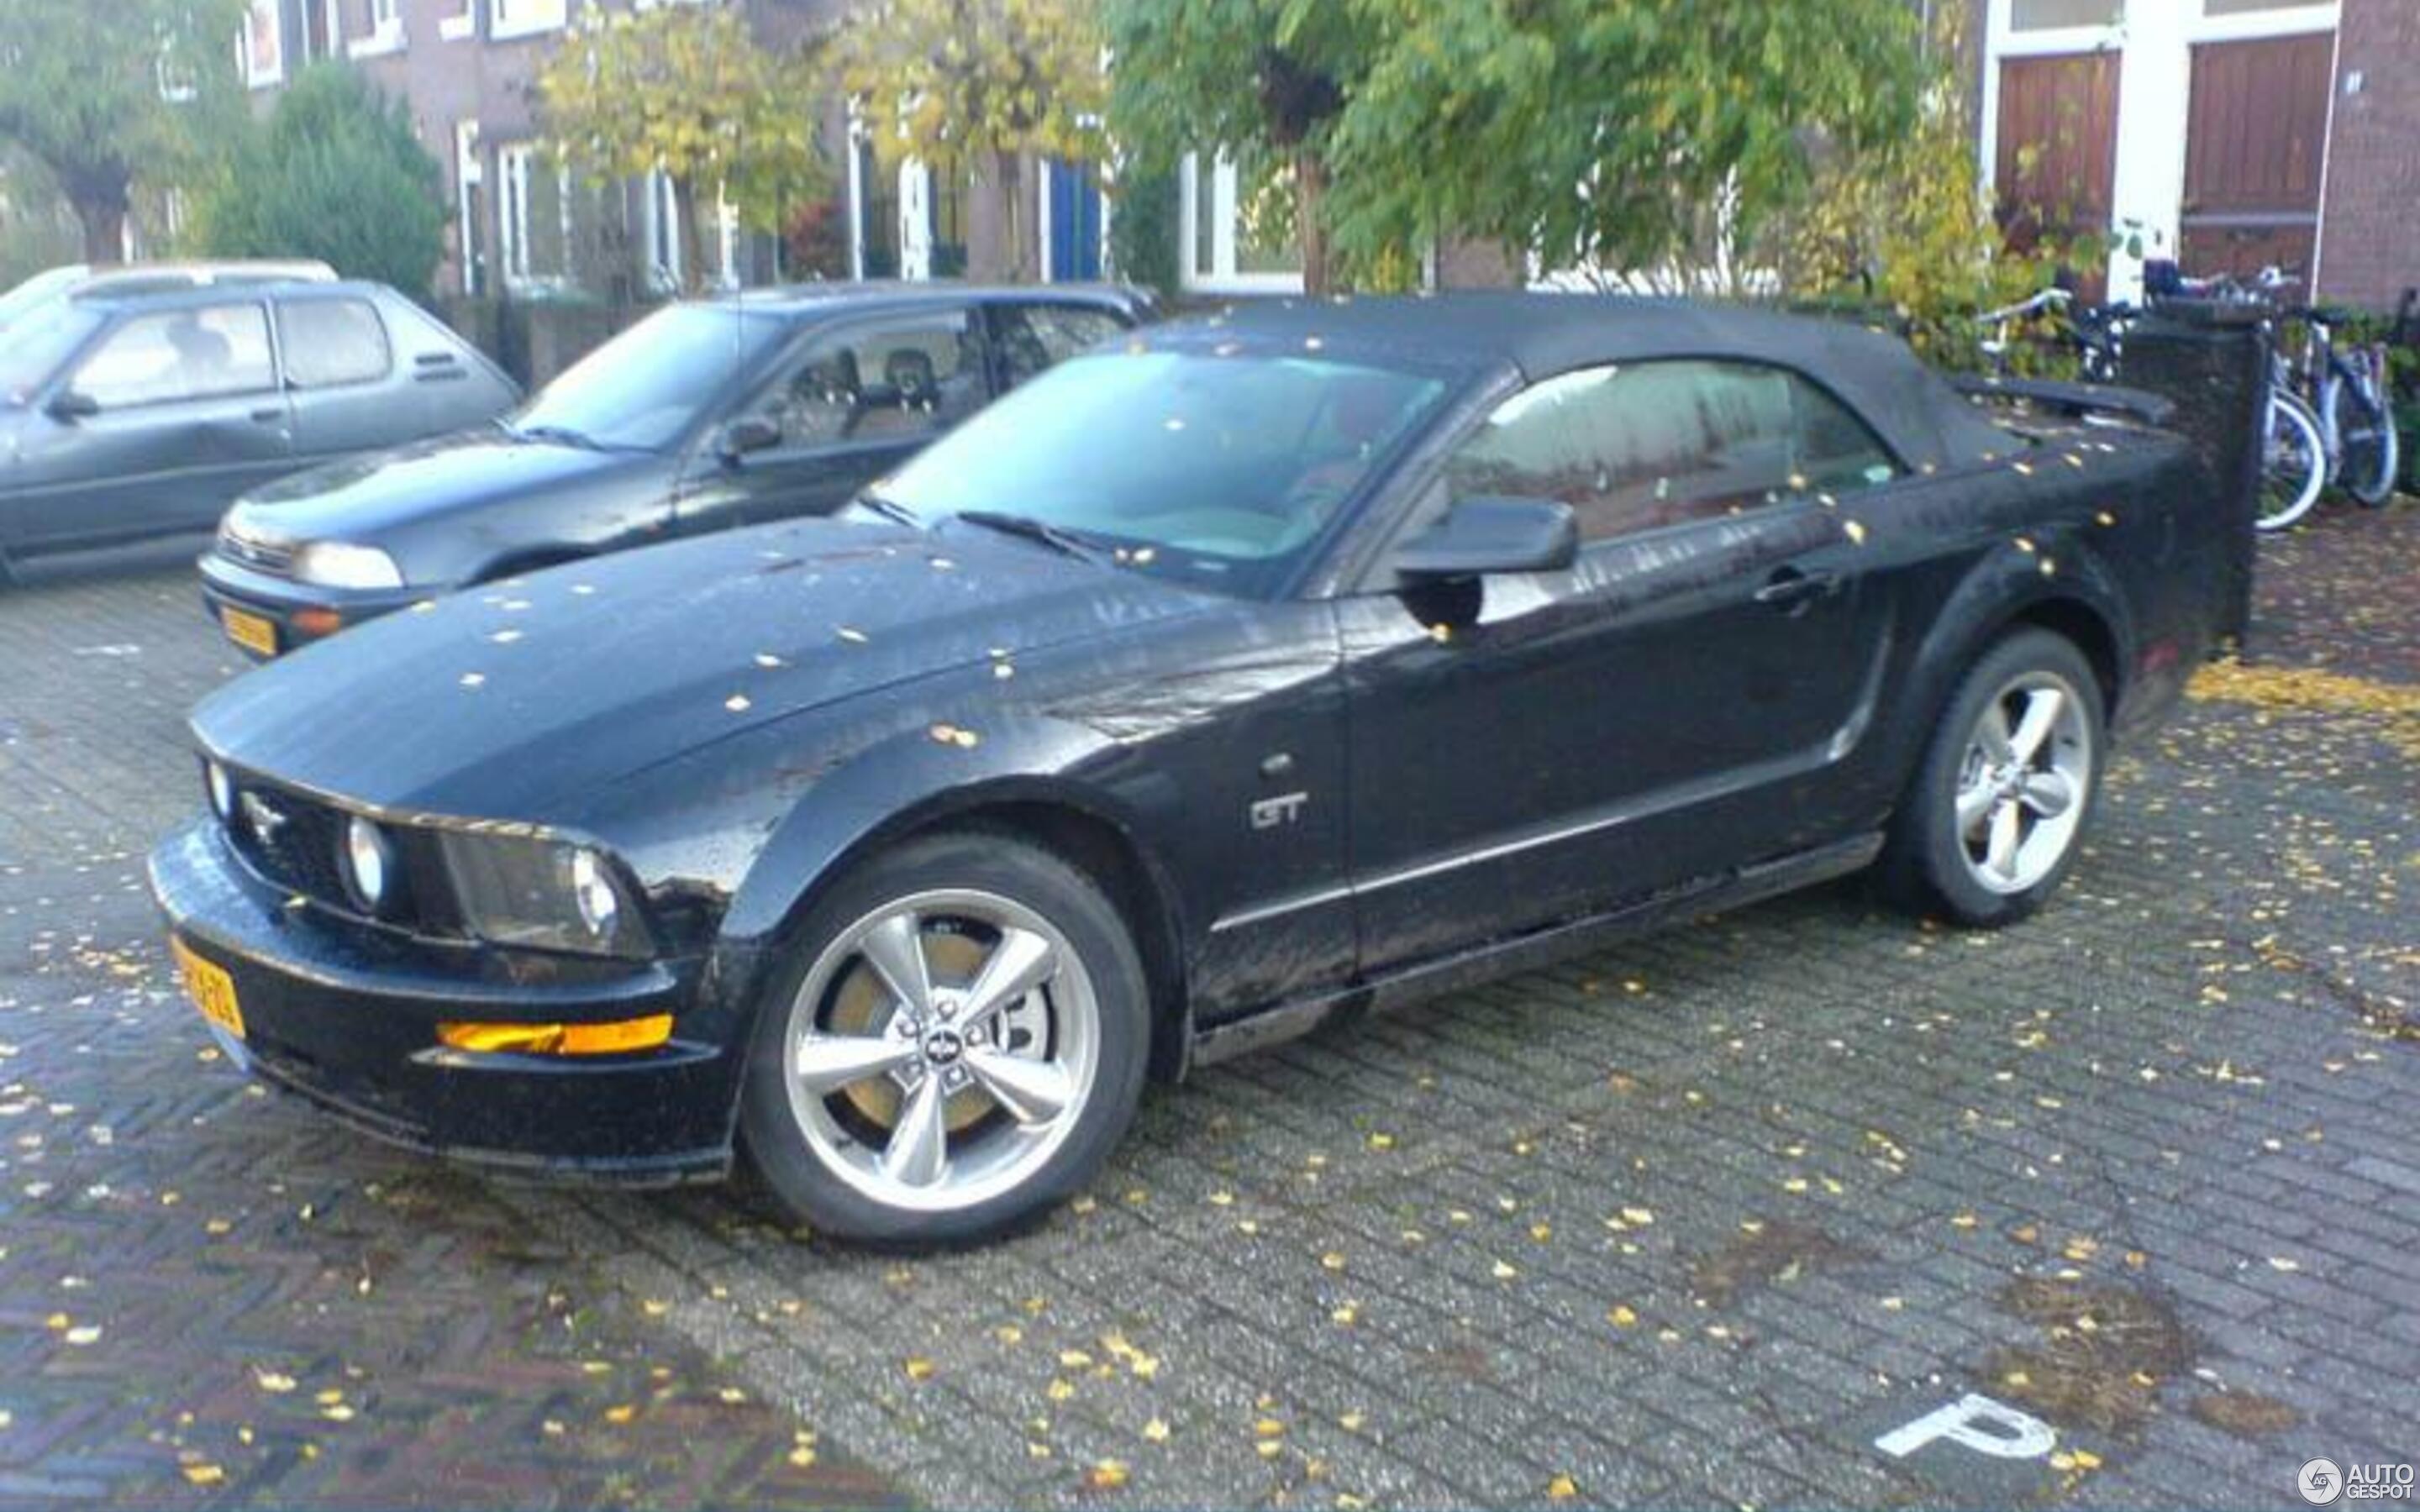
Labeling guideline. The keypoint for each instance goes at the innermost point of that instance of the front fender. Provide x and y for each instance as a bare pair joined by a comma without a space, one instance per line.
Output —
911,780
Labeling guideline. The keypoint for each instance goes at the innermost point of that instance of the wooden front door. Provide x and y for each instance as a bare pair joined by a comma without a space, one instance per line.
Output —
2056,161
2254,138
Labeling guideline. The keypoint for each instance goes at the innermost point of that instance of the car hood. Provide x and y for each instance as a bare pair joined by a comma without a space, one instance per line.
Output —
363,499
518,701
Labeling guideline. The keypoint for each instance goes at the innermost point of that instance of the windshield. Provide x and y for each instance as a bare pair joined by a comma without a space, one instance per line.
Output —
1218,471
643,388
37,343
36,291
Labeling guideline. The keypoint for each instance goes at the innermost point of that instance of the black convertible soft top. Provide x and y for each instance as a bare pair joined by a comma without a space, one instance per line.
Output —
1922,418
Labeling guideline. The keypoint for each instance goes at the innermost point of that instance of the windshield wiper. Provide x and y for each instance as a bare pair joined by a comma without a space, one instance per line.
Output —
890,509
563,435
1060,539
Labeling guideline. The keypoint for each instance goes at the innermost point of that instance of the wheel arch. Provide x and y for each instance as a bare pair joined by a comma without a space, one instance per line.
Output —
1078,823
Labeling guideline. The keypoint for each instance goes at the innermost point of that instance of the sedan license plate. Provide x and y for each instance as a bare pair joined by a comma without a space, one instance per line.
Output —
250,631
211,988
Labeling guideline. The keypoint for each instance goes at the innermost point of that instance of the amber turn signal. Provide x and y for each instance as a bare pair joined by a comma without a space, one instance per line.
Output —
613,1038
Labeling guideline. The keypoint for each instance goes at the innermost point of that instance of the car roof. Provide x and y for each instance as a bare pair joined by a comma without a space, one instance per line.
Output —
131,279
839,297
1540,334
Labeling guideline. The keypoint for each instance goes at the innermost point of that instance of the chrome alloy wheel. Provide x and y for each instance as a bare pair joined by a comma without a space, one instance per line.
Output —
941,1049
2021,785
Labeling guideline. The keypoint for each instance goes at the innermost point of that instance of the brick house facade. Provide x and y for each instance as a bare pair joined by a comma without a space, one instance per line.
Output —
2225,134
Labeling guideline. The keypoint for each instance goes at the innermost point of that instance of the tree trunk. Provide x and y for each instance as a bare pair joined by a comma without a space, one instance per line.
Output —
1008,170
1310,224
99,201
692,237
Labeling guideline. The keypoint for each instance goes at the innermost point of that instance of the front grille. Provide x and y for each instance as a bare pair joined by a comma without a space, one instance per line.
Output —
260,552
292,840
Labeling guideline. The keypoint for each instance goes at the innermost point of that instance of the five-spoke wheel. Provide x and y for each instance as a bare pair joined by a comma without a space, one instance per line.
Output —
965,1021
1991,821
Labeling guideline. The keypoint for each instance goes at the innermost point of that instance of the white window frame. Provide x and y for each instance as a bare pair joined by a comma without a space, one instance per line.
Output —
1221,277
666,274
386,30
2154,42
517,163
510,19
462,26
255,76
468,175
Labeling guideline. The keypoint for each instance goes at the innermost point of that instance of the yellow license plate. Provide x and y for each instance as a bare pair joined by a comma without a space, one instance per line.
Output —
250,631
211,988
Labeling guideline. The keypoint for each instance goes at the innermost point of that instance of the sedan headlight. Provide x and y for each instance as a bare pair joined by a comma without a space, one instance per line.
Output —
545,894
342,564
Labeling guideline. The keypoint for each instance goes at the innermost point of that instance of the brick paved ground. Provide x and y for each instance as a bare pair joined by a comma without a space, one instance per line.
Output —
1690,1222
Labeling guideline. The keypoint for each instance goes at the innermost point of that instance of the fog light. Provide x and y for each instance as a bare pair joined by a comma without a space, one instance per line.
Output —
616,1038
369,864
222,792
318,621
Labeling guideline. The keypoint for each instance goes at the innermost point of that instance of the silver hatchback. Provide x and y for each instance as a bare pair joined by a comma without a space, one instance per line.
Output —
130,416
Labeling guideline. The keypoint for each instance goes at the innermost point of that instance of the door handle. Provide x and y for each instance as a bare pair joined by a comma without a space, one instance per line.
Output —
267,417
1791,590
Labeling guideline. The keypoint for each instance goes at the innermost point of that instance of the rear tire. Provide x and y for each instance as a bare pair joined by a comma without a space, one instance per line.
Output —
1997,810
2293,464
955,1043
2372,449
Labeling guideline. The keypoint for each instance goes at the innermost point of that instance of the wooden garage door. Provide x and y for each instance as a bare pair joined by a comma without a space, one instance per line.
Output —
2254,142
2057,148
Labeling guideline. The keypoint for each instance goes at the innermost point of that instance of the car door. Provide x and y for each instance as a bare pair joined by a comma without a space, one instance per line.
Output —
1532,747
1031,336
168,416
339,363
847,404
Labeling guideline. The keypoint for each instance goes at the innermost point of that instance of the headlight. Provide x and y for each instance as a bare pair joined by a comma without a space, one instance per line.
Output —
367,865
222,791
342,564
545,894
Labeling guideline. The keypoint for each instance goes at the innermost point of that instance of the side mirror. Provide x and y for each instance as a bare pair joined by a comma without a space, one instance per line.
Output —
751,433
1483,535
72,406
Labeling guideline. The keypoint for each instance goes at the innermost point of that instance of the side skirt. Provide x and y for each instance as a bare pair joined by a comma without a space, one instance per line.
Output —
1291,1019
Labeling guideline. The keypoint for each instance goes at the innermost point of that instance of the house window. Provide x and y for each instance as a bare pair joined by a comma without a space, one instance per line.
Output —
469,242
524,18
459,21
383,32
533,224
1238,228
664,270
878,215
2053,15
261,45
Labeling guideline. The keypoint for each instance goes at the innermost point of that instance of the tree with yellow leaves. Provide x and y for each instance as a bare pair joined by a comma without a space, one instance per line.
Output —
687,91
973,86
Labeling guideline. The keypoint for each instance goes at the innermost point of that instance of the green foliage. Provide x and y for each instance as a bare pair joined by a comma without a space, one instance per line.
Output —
687,90
970,88
1144,230
1594,133
1906,222
106,95
336,173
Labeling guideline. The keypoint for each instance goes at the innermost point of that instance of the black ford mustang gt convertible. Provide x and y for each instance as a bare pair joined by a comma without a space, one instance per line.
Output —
1260,671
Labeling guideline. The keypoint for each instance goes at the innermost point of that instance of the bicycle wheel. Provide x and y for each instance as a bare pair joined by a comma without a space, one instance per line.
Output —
2369,454
2293,464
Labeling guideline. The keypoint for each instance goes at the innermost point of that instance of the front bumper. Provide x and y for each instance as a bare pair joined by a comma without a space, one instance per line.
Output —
298,612
350,1023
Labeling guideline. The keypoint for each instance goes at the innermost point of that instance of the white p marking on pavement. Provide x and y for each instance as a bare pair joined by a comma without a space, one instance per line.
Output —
2012,1434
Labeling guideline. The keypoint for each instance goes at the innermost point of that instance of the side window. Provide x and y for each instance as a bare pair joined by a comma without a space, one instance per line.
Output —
329,343
917,376
1634,448
1036,336
1833,449
180,354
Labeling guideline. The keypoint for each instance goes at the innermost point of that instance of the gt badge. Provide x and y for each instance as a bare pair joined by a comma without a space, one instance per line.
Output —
1286,807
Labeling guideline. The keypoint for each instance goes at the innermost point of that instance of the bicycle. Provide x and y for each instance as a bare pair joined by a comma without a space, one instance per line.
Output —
2347,391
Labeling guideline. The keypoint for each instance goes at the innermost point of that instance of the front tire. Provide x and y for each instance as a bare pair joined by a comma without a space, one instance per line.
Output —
2372,458
955,1043
2293,463
1995,814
